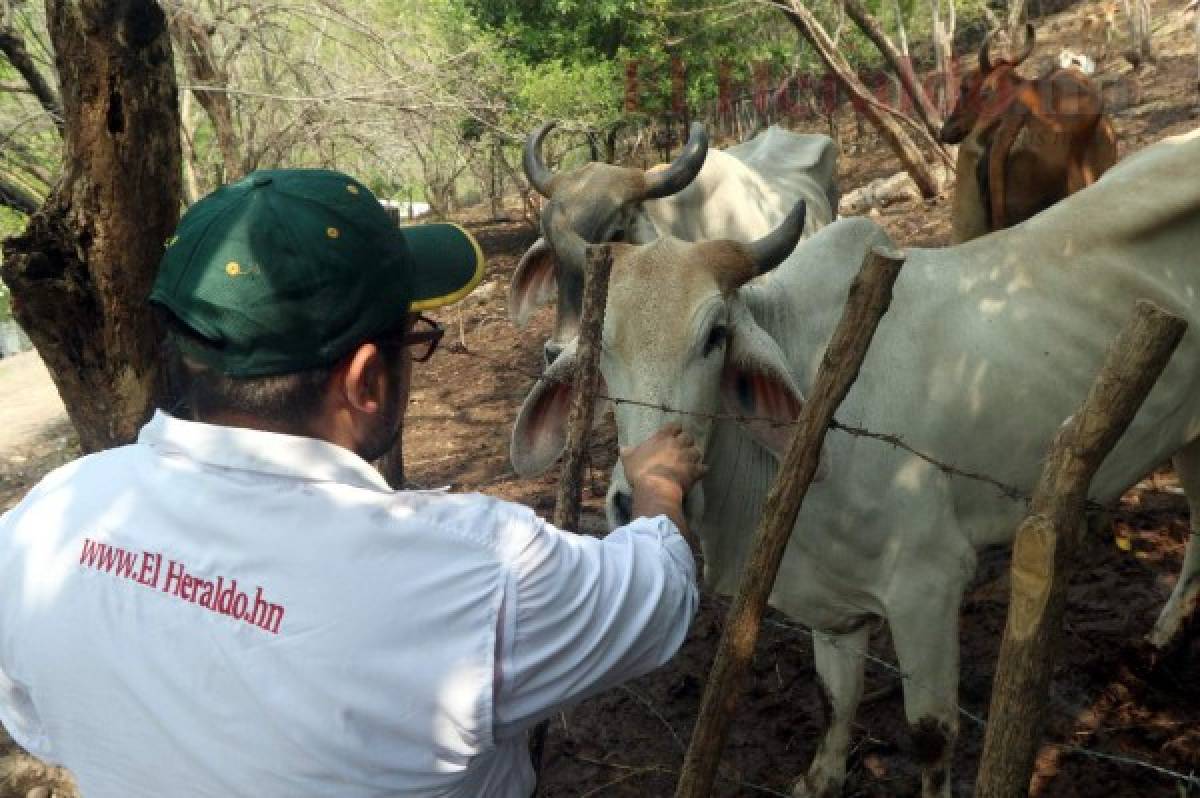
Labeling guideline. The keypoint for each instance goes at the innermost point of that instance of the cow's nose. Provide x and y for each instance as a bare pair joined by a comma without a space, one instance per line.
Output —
551,351
622,507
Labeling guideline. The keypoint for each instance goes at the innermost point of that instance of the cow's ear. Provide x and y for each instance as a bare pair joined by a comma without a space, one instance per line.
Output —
540,434
757,385
534,283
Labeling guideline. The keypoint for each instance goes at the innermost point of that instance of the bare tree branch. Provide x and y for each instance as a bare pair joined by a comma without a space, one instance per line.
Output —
12,44
17,197
195,45
927,112
910,157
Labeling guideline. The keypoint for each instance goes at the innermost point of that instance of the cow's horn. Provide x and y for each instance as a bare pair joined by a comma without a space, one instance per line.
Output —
540,176
683,169
568,246
772,249
1030,40
985,60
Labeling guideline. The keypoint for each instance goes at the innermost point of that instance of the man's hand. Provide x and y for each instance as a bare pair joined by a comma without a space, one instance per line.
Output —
660,470
666,461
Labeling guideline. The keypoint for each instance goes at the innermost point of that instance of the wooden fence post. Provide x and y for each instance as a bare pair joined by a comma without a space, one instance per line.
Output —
568,502
870,295
1047,542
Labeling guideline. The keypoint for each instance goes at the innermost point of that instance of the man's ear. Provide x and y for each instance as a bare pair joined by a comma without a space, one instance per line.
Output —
540,433
756,384
534,283
362,377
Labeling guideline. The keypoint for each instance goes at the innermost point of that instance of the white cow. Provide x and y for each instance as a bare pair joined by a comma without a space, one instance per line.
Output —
745,191
987,348
739,193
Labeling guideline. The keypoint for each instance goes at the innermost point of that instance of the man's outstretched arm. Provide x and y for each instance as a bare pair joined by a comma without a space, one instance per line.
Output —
583,614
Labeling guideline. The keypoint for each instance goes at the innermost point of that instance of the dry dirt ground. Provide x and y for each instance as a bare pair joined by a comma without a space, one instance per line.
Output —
34,431
1108,695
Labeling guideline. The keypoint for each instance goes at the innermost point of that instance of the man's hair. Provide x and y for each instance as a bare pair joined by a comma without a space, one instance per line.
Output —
293,401
200,392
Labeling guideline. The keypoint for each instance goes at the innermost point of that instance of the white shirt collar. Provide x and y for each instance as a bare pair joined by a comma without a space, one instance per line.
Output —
255,450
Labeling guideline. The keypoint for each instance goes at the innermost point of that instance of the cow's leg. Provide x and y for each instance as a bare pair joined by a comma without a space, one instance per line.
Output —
1079,171
1186,595
924,626
1002,142
839,661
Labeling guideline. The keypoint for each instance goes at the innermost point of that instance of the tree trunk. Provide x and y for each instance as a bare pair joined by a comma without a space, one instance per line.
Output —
1016,23
493,187
942,37
1145,41
900,29
81,271
1141,46
889,129
926,110
187,132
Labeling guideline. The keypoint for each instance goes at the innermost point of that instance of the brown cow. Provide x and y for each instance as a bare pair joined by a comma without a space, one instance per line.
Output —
1041,139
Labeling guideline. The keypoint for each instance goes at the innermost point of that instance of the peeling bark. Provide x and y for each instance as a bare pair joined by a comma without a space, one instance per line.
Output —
81,271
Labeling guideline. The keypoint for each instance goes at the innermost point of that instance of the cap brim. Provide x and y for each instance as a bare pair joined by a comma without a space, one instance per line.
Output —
446,261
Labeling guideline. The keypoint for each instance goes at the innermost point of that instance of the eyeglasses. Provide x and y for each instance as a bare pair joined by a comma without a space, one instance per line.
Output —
423,339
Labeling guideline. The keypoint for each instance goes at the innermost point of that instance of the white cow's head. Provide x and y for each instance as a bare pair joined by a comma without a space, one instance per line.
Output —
599,202
680,344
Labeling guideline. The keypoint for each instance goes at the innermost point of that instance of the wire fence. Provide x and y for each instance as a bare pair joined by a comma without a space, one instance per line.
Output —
1006,490
1185,781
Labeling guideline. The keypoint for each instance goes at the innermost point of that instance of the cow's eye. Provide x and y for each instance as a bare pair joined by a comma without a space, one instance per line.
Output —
716,338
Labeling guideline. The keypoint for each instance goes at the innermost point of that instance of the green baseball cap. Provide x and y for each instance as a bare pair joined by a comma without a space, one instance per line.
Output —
289,269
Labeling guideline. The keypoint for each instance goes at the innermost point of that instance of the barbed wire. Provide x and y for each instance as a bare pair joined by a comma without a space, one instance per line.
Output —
1007,491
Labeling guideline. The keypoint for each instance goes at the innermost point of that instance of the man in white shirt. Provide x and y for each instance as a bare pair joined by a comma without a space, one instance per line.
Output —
237,603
